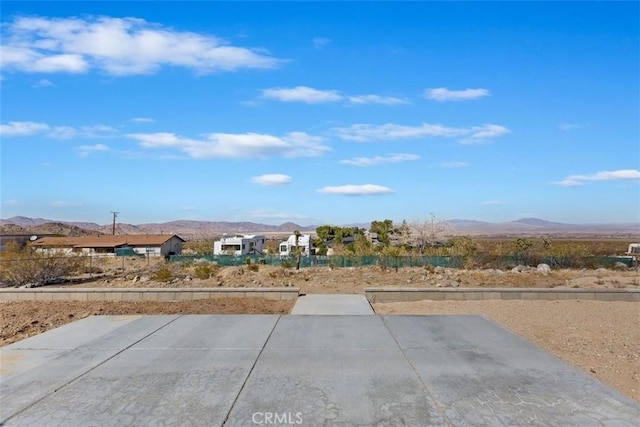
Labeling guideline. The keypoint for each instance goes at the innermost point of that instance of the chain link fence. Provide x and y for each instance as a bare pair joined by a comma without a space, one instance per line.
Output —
478,260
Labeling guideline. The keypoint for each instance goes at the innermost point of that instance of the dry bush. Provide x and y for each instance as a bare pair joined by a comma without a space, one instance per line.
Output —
163,274
22,266
205,271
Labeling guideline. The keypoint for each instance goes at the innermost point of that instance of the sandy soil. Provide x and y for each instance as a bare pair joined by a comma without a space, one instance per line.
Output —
601,338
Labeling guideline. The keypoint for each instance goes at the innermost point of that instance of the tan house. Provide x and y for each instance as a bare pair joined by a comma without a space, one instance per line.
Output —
140,244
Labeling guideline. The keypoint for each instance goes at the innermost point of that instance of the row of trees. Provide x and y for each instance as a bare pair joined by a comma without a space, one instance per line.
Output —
408,237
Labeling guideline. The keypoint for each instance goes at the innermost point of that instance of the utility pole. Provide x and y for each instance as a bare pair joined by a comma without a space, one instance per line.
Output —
113,227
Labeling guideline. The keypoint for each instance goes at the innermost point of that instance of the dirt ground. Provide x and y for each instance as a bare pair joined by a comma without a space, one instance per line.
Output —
601,338
22,319
355,279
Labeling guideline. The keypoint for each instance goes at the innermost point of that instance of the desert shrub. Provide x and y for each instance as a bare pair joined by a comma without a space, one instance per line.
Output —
287,263
163,274
204,271
21,266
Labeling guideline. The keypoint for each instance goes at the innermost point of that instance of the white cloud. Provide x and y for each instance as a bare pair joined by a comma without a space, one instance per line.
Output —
310,95
98,131
480,134
85,150
452,165
304,94
56,132
443,94
142,120
357,190
390,131
245,145
271,180
43,83
320,42
62,132
376,99
22,128
12,202
622,174
378,160
117,46
493,203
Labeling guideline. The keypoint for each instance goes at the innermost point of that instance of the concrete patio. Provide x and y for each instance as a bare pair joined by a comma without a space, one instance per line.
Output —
241,370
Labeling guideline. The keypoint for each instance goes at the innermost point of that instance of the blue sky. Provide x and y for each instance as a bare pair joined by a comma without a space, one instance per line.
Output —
320,112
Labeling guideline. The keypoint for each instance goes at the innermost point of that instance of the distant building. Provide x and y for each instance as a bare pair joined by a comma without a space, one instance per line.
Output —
303,242
239,245
153,245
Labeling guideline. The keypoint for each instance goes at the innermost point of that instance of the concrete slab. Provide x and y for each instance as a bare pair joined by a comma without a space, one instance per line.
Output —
482,374
334,370
34,368
307,370
171,387
330,304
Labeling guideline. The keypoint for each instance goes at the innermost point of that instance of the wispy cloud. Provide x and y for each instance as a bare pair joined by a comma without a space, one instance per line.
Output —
85,150
493,203
376,99
453,165
379,160
357,190
320,42
443,94
484,133
42,83
142,120
117,46
16,129
12,202
309,95
245,145
303,94
22,128
272,180
617,175
390,131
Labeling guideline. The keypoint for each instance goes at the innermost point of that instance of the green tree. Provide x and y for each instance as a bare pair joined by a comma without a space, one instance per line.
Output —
383,229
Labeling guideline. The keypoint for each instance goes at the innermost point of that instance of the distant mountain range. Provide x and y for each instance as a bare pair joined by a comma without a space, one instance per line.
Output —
202,229
185,228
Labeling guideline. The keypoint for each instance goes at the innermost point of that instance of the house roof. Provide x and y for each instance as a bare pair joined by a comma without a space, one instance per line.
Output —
105,241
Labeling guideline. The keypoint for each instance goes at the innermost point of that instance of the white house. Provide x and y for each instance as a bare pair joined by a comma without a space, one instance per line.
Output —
304,242
239,245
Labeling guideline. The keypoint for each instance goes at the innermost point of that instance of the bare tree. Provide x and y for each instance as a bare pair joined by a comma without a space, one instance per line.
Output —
427,232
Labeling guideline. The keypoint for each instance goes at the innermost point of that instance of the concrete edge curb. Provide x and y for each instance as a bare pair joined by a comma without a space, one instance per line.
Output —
144,294
376,295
